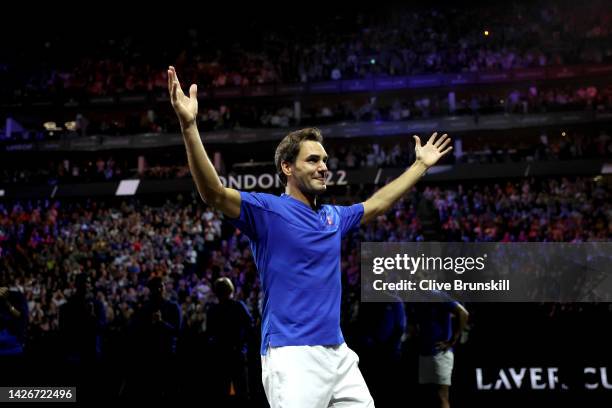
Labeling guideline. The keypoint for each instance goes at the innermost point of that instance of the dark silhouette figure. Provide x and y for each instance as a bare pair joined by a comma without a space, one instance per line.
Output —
229,329
13,323
154,334
82,322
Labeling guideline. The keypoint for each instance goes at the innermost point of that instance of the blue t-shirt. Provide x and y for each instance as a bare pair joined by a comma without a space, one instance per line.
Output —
435,325
297,253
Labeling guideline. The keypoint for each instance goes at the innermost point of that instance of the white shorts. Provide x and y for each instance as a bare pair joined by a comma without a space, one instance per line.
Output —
436,369
314,377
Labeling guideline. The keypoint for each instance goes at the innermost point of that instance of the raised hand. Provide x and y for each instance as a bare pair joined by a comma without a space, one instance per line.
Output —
186,107
433,150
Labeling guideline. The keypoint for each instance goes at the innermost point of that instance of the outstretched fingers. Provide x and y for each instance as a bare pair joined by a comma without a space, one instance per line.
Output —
173,83
438,142
172,74
441,146
446,151
432,138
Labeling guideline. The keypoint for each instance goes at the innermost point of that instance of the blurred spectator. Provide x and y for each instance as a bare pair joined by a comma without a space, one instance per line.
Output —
230,330
155,328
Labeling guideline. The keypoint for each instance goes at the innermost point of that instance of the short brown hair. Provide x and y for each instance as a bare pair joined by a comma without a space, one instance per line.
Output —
223,287
288,149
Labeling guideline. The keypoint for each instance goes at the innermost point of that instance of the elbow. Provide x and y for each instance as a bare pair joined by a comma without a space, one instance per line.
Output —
215,197
372,209
211,196
375,206
379,207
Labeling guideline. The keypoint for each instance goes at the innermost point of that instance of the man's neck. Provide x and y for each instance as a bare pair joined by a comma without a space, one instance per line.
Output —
309,200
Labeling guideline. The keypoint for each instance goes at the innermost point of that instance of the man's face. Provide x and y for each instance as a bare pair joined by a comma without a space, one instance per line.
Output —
158,291
309,171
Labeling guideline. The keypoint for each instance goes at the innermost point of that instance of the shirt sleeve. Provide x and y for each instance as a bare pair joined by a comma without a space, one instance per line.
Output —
253,210
350,217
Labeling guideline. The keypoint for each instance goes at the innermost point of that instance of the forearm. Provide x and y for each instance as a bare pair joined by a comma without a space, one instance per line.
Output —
202,170
384,198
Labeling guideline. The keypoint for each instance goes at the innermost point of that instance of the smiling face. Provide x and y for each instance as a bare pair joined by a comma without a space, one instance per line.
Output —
309,171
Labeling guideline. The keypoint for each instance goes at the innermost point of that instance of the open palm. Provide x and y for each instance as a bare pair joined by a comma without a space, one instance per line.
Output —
186,107
433,150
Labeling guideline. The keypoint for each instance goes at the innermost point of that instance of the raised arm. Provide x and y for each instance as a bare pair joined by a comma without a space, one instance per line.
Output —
426,156
227,200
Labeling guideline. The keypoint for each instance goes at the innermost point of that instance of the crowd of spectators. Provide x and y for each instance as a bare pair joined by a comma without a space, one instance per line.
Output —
568,145
330,46
217,116
51,172
376,109
45,245
391,153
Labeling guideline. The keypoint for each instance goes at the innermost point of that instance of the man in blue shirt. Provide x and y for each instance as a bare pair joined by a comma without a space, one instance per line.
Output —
437,338
296,246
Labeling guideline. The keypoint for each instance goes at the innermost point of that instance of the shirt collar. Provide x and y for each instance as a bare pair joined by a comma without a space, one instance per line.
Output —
288,196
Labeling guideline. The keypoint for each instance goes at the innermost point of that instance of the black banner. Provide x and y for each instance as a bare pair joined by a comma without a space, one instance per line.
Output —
265,178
